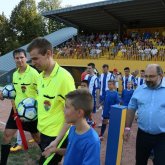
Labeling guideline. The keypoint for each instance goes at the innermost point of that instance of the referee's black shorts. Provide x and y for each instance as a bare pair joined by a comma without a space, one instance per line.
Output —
27,126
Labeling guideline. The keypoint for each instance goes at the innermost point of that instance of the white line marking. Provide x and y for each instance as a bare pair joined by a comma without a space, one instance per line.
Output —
1,122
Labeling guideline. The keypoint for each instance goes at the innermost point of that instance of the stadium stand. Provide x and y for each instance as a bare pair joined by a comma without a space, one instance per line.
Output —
7,64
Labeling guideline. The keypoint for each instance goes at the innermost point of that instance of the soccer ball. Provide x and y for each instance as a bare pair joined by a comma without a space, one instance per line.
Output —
27,109
9,92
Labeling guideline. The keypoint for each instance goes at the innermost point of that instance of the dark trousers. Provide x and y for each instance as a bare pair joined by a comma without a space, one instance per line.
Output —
145,142
44,142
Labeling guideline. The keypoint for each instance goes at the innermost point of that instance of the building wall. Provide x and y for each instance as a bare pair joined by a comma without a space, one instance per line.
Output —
119,64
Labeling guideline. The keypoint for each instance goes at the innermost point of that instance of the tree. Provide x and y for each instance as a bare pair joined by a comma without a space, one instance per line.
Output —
6,36
26,22
47,5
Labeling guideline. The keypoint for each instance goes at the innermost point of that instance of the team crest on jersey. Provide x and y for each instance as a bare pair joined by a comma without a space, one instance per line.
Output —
47,105
23,88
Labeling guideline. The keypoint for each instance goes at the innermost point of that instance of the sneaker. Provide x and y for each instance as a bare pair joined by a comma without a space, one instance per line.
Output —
31,141
16,148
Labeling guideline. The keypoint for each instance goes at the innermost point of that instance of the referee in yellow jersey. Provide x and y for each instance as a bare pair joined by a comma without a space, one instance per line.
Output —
54,83
25,83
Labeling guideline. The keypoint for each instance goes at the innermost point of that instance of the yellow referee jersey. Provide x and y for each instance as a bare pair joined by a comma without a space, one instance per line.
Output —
51,100
25,84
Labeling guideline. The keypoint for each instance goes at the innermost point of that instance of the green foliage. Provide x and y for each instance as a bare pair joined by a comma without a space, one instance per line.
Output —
26,22
47,5
6,35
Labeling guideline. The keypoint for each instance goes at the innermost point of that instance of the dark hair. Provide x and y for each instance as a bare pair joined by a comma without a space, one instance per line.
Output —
19,51
92,65
159,70
126,68
86,82
105,65
81,99
142,70
112,81
41,44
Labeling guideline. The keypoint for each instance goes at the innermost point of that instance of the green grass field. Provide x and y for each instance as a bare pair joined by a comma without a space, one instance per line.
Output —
29,157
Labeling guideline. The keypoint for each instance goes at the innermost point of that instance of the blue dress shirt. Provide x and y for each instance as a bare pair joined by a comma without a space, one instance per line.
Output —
150,105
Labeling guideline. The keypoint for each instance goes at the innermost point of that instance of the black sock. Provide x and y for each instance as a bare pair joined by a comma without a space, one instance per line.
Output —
103,128
5,150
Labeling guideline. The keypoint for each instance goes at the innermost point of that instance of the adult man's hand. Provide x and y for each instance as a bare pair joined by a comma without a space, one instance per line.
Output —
126,134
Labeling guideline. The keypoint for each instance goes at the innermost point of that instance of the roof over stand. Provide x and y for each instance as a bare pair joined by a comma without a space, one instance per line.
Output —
112,14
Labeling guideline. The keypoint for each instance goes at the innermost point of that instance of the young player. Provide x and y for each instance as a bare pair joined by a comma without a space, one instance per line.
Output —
85,84
84,143
93,85
111,98
127,94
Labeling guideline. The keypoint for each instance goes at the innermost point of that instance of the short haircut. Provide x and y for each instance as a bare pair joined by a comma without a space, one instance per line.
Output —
131,82
81,99
105,66
86,82
92,65
41,44
112,81
126,68
159,70
142,70
19,51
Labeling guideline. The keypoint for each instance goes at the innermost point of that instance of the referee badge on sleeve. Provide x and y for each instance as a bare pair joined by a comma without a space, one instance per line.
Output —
47,105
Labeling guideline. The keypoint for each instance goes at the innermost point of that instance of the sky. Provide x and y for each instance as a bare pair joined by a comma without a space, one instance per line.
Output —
7,6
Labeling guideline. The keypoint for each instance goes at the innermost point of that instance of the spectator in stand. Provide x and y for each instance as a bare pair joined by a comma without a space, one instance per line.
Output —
124,51
141,54
93,52
147,52
154,53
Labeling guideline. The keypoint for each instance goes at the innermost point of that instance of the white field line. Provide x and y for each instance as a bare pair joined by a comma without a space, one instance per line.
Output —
1,122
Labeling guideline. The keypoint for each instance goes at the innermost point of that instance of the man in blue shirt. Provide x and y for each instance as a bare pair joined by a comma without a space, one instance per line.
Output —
148,100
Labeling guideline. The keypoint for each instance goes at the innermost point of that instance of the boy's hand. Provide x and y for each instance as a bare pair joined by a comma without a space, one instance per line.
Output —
48,151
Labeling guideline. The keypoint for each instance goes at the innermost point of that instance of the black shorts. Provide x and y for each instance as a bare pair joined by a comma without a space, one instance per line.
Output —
45,141
27,126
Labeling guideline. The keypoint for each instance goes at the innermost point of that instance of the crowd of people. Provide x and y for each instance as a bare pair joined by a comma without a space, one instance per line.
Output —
65,128
136,46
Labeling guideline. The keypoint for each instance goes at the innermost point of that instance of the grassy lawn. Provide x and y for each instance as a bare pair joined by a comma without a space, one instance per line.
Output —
28,157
